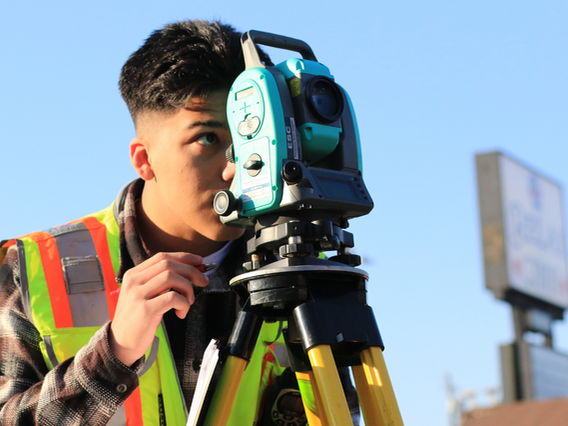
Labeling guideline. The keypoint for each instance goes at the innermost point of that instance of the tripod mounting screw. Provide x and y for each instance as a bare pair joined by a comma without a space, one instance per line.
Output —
296,250
330,243
252,265
347,259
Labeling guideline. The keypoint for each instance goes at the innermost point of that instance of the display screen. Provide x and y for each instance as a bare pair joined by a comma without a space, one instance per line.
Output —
245,93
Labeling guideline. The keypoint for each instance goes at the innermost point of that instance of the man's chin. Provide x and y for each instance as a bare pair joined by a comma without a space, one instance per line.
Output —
227,233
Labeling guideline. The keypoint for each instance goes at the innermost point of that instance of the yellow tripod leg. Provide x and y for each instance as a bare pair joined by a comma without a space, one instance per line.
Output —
368,404
335,408
313,408
380,387
222,402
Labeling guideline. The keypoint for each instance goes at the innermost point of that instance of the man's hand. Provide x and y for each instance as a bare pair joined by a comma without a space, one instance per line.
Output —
146,294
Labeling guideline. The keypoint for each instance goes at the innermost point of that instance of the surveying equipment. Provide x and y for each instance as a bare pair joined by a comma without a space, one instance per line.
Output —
298,181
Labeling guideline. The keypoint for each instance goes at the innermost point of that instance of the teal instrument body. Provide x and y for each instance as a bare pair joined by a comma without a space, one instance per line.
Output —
295,139
258,128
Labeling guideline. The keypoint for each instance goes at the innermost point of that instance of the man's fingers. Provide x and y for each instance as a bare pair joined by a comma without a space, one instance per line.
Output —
165,282
182,257
162,260
172,300
170,264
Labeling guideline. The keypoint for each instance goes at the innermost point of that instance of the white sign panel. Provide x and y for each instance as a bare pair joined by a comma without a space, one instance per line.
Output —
534,233
549,371
533,372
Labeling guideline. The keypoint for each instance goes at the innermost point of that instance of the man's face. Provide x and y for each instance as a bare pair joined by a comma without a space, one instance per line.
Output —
187,166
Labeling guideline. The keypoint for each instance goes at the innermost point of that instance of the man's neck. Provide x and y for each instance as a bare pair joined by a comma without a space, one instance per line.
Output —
157,240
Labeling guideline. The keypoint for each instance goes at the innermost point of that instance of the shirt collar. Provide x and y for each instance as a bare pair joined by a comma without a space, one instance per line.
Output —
132,249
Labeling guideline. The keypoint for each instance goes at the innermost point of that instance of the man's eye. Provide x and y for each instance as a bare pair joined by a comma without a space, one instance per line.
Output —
207,139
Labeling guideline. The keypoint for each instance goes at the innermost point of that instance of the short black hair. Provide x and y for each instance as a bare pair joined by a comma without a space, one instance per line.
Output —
183,60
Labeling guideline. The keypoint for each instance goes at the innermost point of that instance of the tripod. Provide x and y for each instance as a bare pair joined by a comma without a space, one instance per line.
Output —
329,324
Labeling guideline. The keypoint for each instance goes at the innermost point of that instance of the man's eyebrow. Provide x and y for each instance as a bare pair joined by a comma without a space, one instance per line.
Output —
207,123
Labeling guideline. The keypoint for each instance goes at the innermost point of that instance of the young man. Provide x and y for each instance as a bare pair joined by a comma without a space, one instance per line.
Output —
76,350
56,287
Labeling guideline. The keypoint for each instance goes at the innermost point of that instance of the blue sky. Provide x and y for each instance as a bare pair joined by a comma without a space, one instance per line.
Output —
432,82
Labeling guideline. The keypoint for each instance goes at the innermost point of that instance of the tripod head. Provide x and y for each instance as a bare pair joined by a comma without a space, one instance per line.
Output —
298,161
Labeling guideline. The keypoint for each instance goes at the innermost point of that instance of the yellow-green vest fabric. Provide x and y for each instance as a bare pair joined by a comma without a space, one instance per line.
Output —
69,273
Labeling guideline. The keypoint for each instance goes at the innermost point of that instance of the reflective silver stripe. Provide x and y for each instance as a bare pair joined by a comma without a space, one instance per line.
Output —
83,275
119,418
24,279
151,356
50,351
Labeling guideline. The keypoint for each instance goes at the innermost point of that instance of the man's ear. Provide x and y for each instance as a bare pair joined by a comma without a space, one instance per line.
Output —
140,159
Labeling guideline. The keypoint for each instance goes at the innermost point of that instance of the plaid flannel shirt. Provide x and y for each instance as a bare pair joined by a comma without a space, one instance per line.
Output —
84,390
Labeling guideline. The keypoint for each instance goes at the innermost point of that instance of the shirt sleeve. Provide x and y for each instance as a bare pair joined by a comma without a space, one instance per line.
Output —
88,388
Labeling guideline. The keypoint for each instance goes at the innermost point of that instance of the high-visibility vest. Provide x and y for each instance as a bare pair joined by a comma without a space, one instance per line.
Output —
69,286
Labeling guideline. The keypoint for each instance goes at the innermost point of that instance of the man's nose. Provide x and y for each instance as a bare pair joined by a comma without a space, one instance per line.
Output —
229,172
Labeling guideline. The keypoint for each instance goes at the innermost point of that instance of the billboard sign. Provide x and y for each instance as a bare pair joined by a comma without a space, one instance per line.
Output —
522,222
